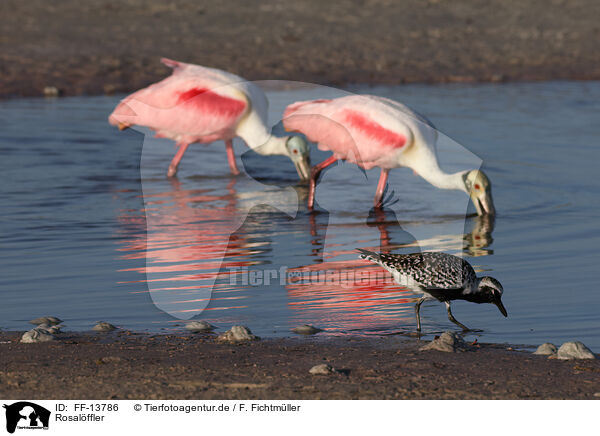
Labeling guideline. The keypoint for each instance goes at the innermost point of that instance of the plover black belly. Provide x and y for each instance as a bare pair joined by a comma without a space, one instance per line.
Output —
439,276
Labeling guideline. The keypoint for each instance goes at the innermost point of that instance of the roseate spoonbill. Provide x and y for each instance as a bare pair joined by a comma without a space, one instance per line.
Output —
439,276
200,104
375,131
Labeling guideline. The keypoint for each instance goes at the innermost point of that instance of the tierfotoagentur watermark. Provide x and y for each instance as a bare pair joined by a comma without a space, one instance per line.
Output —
244,276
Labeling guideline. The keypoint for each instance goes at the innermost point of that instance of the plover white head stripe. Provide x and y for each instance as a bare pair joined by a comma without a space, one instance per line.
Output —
439,276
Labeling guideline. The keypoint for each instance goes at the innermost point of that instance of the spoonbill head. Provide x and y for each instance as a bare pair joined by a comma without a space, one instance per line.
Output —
479,188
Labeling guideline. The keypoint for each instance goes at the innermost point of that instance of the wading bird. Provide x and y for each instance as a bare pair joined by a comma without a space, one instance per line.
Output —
373,132
199,104
439,276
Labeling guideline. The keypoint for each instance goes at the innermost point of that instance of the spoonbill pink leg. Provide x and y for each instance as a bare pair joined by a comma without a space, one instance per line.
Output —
231,157
314,175
381,187
176,159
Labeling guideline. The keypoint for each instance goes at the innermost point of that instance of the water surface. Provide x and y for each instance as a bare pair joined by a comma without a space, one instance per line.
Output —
91,229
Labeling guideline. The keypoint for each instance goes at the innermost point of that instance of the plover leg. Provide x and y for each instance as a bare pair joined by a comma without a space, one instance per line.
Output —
417,308
451,317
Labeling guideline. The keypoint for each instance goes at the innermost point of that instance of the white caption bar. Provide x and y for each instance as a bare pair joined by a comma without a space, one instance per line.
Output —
22,417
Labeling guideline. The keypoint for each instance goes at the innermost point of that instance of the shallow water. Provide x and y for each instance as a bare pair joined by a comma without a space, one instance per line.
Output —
91,229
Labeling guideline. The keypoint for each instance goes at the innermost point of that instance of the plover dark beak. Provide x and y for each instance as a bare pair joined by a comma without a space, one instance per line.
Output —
498,303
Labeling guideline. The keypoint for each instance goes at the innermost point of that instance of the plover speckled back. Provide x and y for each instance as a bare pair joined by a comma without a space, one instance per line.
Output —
439,276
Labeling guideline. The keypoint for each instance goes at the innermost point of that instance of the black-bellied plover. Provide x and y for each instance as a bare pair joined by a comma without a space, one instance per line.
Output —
439,276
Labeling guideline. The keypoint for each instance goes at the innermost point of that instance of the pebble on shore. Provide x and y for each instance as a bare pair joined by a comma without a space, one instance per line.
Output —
574,350
104,327
199,327
110,359
50,320
448,342
51,91
238,333
306,329
322,369
546,349
37,335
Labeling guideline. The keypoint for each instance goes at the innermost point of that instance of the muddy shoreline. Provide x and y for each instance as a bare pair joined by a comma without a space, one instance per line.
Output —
128,365
106,47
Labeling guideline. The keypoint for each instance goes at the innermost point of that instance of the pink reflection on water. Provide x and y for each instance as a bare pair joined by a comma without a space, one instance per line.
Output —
188,246
349,294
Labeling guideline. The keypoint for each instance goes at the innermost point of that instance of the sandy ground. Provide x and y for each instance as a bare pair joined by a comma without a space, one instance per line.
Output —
109,46
132,366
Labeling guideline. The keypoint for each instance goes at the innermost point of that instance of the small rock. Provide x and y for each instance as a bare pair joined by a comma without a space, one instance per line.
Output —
104,327
110,359
238,333
448,342
52,329
50,320
51,91
574,350
322,369
546,349
36,335
199,326
306,329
